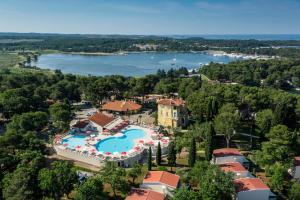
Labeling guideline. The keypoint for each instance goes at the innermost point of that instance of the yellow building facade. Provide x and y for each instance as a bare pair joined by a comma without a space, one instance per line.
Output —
172,113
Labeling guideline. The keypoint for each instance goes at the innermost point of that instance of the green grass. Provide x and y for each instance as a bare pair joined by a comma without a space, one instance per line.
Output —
10,59
203,77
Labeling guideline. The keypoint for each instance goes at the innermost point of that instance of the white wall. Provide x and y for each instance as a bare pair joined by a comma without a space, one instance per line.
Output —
254,195
297,172
99,128
158,187
229,159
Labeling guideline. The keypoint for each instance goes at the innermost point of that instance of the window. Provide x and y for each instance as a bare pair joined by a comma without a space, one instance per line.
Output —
175,114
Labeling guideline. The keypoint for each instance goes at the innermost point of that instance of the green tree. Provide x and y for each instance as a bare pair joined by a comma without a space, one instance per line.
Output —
57,181
158,155
265,120
209,142
225,124
60,115
279,148
171,155
192,153
294,192
19,185
149,159
116,178
135,172
278,176
91,189
186,194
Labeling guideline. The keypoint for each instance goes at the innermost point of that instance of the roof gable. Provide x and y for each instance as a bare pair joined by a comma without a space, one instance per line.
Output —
163,177
121,106
232,167
101,119
171,102
246,184
140,194
226,152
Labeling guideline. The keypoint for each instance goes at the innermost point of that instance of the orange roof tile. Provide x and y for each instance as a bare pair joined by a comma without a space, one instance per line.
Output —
139,194
171,102
101,119
245,184
81,124
297,161
233,167
226,152
166,178
121,106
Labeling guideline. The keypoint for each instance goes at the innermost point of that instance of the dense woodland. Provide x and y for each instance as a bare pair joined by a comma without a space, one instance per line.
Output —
282,74
115,43
36,104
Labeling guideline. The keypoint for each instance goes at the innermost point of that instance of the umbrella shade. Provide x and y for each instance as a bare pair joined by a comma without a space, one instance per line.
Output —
164,140
124,153
141,141
66,144
78,146
137,148
107,153
151,142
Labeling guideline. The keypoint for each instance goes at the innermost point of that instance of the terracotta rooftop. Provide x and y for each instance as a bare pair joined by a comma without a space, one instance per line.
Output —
171,102
166,178
297,161
81,124
245,184
121,106
226,152
139,194
101,119
233,167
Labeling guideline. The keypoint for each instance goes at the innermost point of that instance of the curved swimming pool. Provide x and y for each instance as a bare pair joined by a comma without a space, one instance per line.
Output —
120,144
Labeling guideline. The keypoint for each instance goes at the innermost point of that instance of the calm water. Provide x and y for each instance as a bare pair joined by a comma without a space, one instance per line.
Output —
120,144
133,64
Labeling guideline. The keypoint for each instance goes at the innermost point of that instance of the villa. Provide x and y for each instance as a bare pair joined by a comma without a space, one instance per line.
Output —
172,113
161,181
229,155
252,188
140,194
123,107
237,169
295,170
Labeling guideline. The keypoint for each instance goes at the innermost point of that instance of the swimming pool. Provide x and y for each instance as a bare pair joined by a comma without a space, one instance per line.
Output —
75,140
120,144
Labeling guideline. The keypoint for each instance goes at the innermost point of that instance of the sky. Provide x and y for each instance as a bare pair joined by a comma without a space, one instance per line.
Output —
151,17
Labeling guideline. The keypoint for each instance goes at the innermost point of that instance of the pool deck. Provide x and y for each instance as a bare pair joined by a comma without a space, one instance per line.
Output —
93,157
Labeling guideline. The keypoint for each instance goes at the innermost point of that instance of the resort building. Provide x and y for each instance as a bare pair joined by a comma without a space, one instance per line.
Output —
96,122
237,169
123,107
252,188
140,194
295,170
172,113
161,181
229,155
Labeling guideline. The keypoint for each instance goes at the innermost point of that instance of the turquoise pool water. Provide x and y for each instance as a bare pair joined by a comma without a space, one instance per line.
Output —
120,144
74,141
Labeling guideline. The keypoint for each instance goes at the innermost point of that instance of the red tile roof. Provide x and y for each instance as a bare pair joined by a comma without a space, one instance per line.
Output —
139,194
101,119
171,102
121,106
245,184
226,152
81,124
297,161
233,167
166,178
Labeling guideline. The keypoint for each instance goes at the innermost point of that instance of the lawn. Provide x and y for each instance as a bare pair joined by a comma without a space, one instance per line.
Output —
10,59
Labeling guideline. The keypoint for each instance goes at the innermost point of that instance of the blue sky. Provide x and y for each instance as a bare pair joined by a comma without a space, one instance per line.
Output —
151,17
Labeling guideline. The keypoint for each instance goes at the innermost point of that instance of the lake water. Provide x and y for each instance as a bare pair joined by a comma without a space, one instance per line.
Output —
132,64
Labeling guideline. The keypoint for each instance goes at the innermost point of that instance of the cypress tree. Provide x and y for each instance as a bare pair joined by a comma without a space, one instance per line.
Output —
172,155
149,159
158,154
209,142
192,153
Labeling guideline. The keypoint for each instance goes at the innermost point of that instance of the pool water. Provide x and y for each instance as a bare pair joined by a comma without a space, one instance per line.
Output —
75,140
120,144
